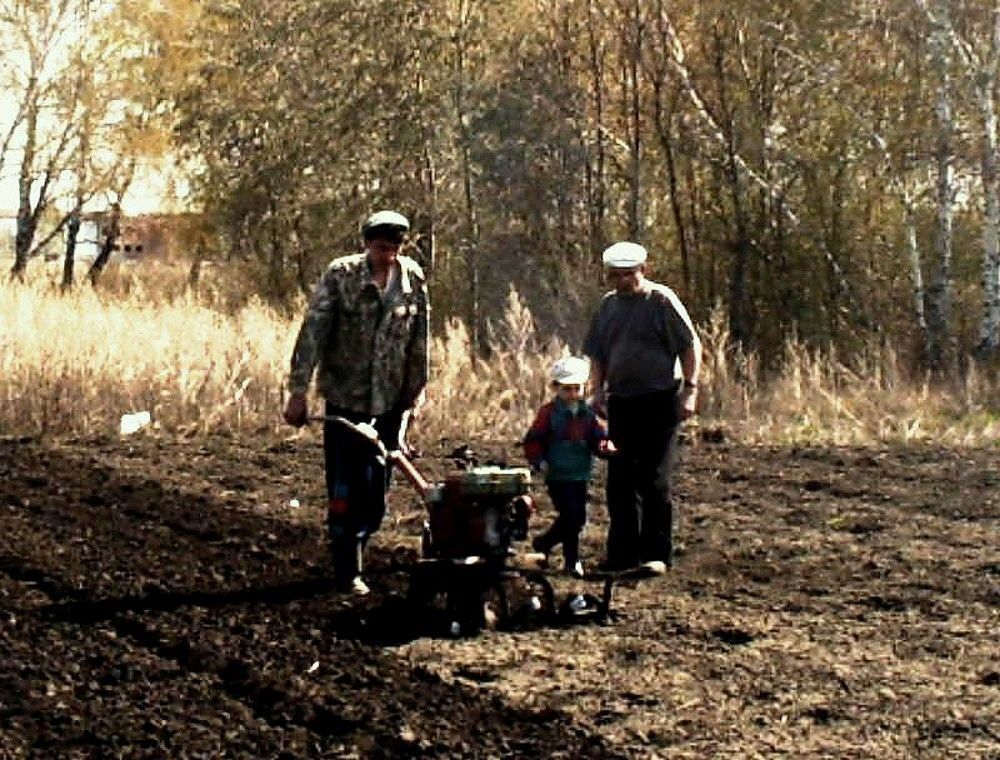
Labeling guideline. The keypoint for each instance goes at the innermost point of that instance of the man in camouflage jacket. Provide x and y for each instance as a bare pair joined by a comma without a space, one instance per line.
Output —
366,330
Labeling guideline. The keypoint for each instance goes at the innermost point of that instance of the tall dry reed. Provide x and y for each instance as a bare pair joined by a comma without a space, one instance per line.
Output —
74,363
817,397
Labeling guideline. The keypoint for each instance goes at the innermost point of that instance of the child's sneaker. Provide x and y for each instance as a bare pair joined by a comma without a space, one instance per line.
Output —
355,586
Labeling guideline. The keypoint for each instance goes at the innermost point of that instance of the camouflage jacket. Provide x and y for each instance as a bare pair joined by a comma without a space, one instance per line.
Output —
371,349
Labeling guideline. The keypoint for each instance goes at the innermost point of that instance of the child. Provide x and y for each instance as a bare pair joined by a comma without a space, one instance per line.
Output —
561,443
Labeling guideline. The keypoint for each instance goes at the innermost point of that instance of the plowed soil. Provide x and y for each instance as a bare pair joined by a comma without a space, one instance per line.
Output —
163,598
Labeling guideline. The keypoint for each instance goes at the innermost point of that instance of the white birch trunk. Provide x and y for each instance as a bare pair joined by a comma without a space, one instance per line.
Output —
986,80
989,326
916,270
939,304
983,67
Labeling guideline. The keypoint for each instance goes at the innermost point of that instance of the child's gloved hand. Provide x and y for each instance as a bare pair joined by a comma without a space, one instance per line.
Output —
606,448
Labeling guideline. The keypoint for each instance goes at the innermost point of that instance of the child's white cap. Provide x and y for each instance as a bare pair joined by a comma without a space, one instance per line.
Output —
570,370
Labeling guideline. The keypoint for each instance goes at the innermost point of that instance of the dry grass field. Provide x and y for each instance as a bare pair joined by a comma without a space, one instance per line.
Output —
73,364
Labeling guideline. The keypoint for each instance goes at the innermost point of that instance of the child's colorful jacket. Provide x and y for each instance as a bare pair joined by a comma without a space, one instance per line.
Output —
565,439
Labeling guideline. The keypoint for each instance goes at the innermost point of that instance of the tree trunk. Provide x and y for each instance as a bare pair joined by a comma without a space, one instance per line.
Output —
596,172
664,126
939,305
633,44
27,220
82,162
428,241
468,186
989,327
276,259
739,323
108,245
22,243
298,240
739,327
916,267
69,259
194,271
429,238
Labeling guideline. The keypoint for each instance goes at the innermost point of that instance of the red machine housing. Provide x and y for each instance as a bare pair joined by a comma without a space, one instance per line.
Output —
477,513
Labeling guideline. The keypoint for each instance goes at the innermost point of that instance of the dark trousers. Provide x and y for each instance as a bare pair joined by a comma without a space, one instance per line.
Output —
569,497
356,483
644,430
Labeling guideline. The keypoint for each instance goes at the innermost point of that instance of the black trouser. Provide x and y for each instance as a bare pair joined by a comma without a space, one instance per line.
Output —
644,430
569,497
356,482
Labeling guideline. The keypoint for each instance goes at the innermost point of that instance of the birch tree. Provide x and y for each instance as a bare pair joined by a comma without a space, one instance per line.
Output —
986,64
981,62
940,291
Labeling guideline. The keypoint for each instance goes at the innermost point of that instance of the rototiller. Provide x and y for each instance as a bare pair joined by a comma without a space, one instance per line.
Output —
467,562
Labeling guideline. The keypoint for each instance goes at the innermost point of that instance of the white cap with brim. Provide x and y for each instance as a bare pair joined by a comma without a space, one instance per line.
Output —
570,370
386,219
624,255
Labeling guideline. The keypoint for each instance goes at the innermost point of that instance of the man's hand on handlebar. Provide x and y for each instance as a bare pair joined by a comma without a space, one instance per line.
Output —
297,410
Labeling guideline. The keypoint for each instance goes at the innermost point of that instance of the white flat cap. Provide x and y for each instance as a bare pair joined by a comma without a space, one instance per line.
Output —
571,370
386,219
624,255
